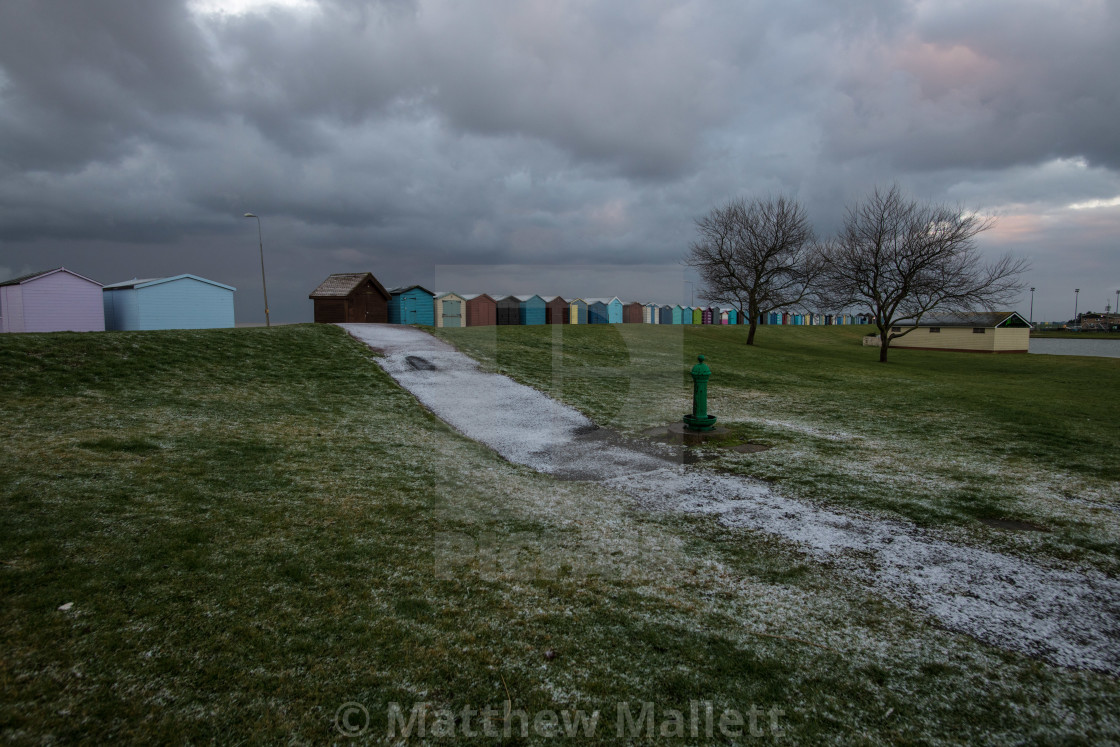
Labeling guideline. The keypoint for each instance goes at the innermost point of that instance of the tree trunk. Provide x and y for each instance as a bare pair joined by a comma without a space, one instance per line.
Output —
884,345
752,316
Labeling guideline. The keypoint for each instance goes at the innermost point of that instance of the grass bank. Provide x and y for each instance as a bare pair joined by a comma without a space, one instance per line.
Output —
254,527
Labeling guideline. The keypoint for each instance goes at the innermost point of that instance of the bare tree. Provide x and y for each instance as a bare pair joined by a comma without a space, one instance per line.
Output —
756,255
903,259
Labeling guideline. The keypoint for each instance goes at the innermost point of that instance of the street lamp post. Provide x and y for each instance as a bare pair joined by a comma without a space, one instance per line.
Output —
1075,319
264,285
1031,320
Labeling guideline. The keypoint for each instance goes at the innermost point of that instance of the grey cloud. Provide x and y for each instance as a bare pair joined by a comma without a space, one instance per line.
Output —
87,81
984,85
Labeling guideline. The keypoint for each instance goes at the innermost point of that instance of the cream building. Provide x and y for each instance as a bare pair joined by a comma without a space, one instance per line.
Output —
975,332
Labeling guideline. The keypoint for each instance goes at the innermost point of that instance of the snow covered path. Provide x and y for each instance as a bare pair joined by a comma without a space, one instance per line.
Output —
1066,617
517,421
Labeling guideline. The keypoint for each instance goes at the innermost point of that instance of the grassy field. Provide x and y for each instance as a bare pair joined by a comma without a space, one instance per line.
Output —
228,535
956,441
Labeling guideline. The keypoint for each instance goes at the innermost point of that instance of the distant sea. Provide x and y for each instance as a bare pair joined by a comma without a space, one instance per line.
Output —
1062,346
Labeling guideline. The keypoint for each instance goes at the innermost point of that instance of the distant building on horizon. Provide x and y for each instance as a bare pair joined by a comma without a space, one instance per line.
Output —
970,332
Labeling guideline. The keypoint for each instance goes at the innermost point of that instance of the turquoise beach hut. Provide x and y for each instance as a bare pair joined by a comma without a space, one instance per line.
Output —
615,311
412,304
604,310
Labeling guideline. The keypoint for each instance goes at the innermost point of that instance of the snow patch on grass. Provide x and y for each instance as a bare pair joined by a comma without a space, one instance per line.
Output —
1069,618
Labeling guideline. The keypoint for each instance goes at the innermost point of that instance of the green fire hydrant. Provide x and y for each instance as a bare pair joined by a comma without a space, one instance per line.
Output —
699,419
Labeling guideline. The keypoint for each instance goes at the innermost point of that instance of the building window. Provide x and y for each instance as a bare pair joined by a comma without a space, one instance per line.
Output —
977,330
934,330
896,329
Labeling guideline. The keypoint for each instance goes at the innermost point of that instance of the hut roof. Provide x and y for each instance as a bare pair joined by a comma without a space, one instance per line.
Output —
473,296
44,273
138,283
523,299
407,288
964,319
342,284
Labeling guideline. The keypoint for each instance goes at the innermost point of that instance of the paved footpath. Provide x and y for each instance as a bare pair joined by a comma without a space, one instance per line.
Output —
1071,618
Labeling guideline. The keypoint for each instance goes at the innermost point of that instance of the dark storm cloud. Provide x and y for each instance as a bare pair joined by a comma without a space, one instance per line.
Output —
88,81
401,136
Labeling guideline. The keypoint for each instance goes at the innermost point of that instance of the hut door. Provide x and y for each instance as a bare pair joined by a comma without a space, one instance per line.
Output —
356,312
366,306
409,310
452,314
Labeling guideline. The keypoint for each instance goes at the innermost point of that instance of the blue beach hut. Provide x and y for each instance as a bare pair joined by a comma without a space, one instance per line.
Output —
615,311
178,302
605,311
597,311
412,304
531,309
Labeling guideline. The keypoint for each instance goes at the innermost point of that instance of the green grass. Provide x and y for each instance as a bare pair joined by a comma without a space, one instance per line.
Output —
257,526
947,440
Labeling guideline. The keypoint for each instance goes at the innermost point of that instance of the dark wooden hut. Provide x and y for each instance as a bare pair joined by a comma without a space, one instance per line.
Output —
509,310
632,312
556,311
482,310
355,297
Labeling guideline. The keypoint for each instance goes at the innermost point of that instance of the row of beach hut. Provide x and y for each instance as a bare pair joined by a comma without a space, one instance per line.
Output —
359,297
61,300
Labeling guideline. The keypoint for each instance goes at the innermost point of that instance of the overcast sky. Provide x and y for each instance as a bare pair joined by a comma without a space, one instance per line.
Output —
540,146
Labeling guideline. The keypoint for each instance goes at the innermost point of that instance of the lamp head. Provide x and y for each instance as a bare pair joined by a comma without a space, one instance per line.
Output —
249,215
